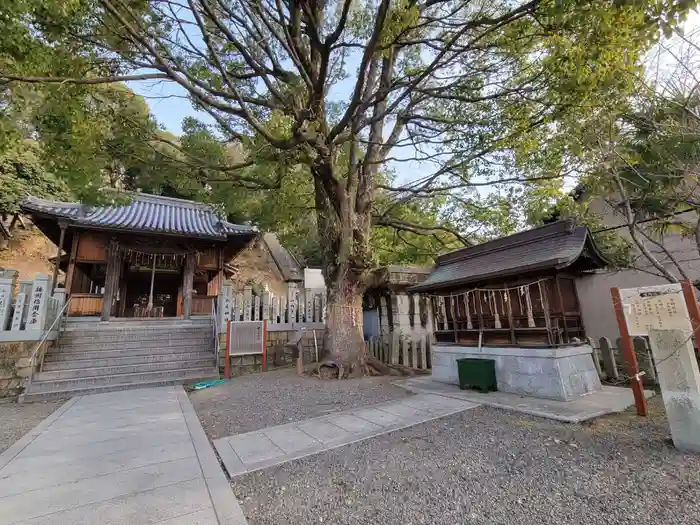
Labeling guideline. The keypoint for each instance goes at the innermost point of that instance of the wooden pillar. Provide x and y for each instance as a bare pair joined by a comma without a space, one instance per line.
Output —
187,285
694,311
631,358
111,279
220,275
63,225
122,292
509,309
561,307
71,262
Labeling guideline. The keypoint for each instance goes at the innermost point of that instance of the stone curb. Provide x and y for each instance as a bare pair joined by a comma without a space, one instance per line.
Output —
236,467
226,506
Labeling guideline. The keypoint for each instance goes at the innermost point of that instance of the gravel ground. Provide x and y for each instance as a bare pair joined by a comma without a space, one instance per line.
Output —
487,466
257,401
16,420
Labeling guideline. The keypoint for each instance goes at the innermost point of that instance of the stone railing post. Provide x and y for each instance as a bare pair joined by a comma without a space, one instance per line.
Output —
7,285
39,302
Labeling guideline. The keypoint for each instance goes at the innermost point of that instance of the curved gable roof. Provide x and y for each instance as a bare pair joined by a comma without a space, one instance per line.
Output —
553,246
144,213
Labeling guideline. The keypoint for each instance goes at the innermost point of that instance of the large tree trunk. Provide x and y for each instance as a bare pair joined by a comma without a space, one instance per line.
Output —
344,241
344,339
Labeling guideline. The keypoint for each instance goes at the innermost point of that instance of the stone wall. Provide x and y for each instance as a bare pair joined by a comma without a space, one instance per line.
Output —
278,355
14,365
550,373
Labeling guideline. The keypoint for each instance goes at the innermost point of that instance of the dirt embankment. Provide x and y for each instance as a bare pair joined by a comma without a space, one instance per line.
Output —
28,252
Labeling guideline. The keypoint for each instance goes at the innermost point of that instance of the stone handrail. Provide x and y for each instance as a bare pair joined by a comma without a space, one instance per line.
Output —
47,332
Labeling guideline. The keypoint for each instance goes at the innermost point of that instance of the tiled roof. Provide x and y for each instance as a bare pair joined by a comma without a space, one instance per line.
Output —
287,264
554,246
145,213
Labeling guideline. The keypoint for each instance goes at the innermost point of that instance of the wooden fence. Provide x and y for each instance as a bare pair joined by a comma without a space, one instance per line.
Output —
298,306
397,349
610,361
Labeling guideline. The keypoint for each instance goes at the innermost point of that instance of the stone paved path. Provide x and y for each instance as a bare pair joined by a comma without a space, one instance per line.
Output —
134,457
275,445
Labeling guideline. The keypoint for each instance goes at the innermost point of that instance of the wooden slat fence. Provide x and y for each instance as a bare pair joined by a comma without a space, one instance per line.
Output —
398,349
299,306
610,361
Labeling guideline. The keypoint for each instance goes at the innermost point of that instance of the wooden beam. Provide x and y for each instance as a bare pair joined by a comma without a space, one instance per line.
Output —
111,279
561,308
694,311
71,262
628,351
187,285
64,226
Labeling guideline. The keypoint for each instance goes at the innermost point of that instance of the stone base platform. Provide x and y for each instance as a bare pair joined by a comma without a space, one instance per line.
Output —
563,373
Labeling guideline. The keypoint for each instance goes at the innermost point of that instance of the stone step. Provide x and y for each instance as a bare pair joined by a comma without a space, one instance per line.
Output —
70,346
65,354
63,394
138,368
136,334
95,324
84,361
71,385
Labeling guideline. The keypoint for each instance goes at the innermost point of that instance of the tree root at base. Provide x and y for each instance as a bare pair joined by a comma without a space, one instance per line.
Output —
370,366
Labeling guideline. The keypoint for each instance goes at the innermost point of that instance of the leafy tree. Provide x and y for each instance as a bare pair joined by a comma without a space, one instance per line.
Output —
643,169
22,172
469,90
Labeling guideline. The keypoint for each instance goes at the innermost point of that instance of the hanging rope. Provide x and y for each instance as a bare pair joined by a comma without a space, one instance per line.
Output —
496,317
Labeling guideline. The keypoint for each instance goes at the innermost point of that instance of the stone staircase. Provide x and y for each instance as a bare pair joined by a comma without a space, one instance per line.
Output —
95,357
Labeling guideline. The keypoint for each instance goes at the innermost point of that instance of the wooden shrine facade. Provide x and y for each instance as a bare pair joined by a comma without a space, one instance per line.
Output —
517,291
151,257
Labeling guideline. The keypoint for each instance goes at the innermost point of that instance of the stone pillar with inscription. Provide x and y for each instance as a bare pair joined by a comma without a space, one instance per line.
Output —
679,379
18,314
225,304
7,285
38,303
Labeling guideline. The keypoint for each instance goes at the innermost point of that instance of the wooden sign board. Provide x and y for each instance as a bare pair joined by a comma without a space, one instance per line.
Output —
662,307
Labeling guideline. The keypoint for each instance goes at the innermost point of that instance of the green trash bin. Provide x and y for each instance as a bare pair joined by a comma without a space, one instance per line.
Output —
478,374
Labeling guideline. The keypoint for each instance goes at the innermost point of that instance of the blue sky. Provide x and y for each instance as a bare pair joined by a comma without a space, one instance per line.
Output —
170,107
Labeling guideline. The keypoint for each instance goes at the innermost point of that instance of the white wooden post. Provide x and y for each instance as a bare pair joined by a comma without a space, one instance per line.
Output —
225,304
237,307
404,352
395,340
247,303
323,306
422,352
308,295
284,306
39,302
317,308
302,306
256,308
292,294
18,315
266,306
7,283
275,310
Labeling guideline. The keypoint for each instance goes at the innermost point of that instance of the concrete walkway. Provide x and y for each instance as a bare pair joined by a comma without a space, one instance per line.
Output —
607,401
275,445
134,457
